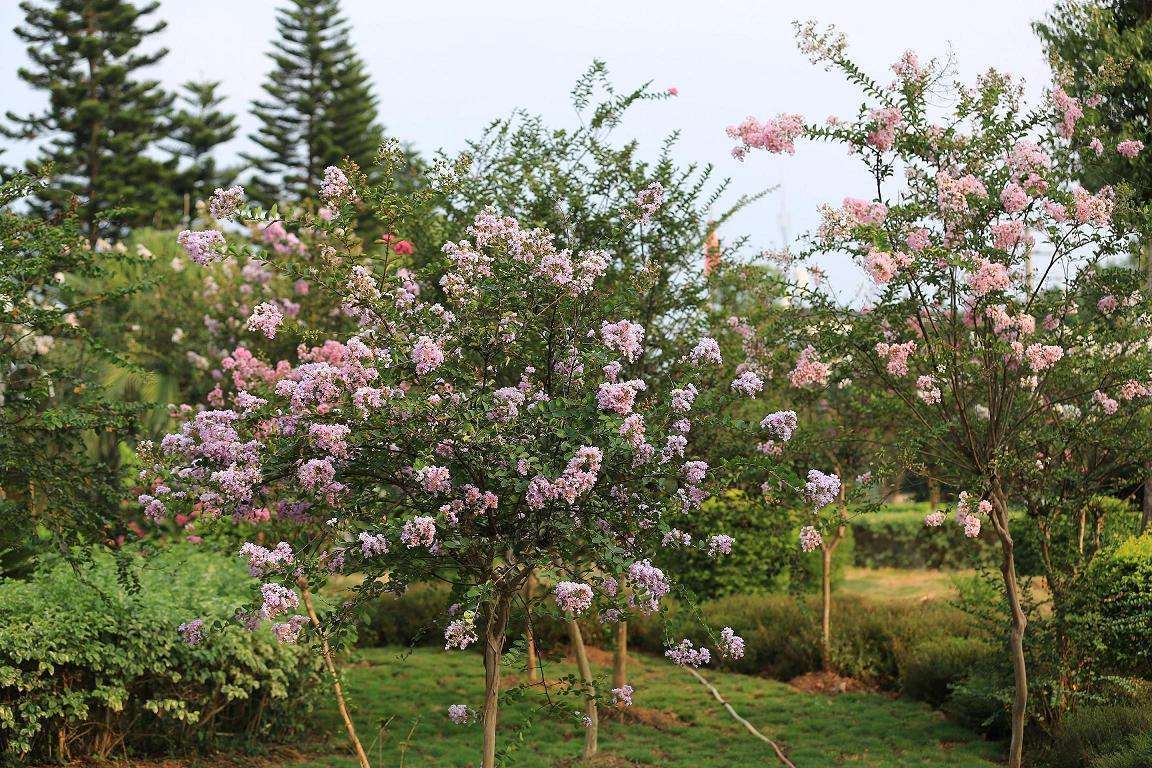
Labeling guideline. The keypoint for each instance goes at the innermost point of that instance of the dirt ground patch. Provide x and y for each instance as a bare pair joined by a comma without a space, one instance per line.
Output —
828,683
660,719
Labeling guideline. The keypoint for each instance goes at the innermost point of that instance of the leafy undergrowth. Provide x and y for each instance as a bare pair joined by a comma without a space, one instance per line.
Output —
400,702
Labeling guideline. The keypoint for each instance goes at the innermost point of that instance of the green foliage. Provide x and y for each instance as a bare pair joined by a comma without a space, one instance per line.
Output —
88,669
1117,598
582,183
52,406
931,667
764,551
896,537
1103,49
1103,524
102,118
1102,737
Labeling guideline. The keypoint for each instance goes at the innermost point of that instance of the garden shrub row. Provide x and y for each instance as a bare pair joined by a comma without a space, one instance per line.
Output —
897,537
919,648
90,668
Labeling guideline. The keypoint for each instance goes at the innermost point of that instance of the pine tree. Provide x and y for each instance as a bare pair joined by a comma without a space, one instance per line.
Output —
102,118
319,106
196,130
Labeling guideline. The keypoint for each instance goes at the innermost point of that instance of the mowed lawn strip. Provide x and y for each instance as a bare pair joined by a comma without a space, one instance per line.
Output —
400,701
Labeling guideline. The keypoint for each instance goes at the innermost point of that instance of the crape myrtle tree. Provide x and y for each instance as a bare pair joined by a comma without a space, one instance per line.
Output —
990,363
52,404
603,192
319,107
500,433
1100,52
102,116
841,428
197,128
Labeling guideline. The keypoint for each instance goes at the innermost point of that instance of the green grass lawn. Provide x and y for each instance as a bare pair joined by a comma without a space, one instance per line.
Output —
902,583
400,704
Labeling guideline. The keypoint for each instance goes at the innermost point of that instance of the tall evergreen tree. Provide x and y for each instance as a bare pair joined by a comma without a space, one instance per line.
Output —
102,117
319,106
197,128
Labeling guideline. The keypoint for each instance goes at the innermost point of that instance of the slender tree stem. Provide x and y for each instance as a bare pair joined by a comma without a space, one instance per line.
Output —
592,725
337,688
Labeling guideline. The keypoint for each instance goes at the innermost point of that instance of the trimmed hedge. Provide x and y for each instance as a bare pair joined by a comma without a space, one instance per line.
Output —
89,669
898,538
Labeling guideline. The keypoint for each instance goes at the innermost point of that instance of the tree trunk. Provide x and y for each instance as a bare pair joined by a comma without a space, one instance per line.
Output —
592,726
1019,623
827,549
620,656
495,631
337,689
933,494
533,664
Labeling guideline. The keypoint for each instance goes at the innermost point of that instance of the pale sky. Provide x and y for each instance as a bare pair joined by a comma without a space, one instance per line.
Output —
444,69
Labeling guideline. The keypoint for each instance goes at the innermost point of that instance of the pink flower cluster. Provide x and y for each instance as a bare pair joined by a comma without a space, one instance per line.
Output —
706,351
809,371
927,390
810,539
720,544
886,121
373,544
427,355
262,561
335,187
731,645
685,655
896,356
781,424
202,247
748,383
573,597
266,318
225,202
1130,149
420,531
649,201
952,193
988,276
623,695
777,135
625,337
649,585
821,489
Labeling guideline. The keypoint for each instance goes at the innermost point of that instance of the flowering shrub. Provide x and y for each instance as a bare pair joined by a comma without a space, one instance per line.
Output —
476,441
1013,374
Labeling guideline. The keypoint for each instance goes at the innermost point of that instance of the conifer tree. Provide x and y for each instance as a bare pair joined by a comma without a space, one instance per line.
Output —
197,129
318,107
102,116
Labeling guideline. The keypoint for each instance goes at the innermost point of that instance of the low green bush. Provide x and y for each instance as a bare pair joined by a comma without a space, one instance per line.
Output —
89,668
759,563
896,537
930,668
1117,598
1113,520
1098,736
